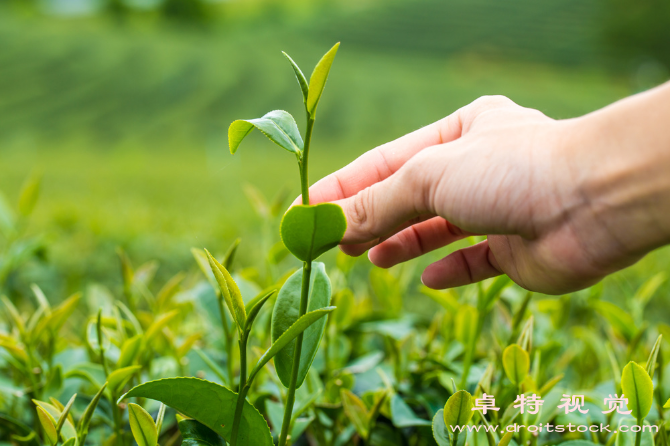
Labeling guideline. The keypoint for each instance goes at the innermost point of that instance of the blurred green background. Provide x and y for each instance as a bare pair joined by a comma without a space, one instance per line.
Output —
123,105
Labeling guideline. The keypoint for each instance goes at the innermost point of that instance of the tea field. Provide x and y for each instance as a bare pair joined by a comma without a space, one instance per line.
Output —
114,166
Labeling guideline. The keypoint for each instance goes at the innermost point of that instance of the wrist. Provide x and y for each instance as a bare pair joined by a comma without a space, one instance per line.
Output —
623,153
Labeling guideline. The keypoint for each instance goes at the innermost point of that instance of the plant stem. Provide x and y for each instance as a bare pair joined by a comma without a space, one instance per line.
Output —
243,360
290,397
638,435
241,397
304,178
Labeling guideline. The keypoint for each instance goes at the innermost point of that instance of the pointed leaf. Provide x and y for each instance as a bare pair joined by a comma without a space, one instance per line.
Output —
118,378
142,426
278,125
638,388
29,193
317,81
229,290
516,363
302,81
653,357
195,433
211,404
129,351
230,254
255,306
65,414
158,325
48,425
504,441
288,336
309,231
356,411
71,442
285,314
85,420
458,409
67,429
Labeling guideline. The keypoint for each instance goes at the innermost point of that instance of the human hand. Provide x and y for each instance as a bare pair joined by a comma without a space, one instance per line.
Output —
494,168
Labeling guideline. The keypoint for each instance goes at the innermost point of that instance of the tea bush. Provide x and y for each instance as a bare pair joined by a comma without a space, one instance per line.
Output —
335,359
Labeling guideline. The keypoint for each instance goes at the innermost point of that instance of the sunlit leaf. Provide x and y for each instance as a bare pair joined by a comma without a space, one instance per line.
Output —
317,80
230,291
458,409
516,363
120,377
48,425
638,388
142,426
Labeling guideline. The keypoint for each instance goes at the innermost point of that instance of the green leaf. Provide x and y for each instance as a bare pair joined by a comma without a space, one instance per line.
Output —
48,425
195,433
278,125
142,425
85,420
628,438
254,307
70,442
653,357
211,404
466,325
572,442
230,292
302,324
458,409
403,416
504,441
356,411
67,429
318,79
158,325
638,388
230,254
302,81
667,404
440,432
285,314
309,231
516,363
129,351
65,411
118,378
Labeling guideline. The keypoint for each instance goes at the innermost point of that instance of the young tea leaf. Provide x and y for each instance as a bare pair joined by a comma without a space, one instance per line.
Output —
653,357
285,314
403,416
302,81
142,426
211,404
638,388
230,292
309,231
255,308
516,363
48,425
504,441
278,125
317,81
85,420
118,378
458,409
356,411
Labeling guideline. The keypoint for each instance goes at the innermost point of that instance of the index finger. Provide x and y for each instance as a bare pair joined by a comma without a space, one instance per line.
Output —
381,162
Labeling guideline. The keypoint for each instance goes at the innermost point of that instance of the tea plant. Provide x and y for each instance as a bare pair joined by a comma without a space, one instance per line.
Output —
307,231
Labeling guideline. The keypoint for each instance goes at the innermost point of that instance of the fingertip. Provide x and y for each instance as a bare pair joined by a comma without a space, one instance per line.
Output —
379,258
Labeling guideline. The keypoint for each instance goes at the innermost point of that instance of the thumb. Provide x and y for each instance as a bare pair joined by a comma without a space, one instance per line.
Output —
380,209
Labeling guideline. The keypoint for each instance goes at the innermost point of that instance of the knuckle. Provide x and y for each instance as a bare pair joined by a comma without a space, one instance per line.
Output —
361,214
